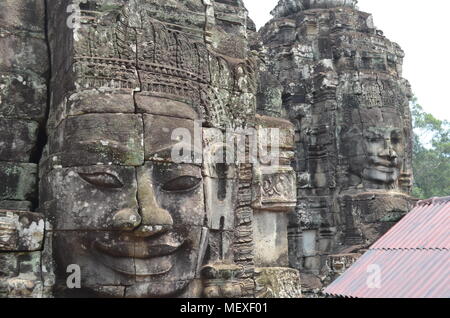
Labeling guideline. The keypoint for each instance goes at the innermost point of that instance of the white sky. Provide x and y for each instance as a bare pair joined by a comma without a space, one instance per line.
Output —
420,29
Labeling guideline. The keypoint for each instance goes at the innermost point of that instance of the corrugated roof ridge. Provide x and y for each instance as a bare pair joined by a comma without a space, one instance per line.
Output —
410,248
435,200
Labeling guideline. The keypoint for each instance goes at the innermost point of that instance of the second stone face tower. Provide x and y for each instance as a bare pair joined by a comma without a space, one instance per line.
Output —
344,91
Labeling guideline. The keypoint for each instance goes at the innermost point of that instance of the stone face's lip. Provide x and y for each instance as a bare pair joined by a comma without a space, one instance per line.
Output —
137,267
385,169
139,248
383,163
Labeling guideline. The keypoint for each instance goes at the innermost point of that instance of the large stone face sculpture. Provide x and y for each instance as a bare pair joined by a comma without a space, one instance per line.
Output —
342,87
137,217
131,202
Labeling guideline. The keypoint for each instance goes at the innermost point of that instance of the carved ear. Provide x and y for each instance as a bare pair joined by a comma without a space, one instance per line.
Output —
220,186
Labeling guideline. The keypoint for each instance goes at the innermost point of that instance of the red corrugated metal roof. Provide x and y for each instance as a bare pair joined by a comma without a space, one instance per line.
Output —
402,274
425,227
412,260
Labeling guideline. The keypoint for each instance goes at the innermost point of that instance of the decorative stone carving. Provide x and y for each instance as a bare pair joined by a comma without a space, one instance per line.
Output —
273,282
21,231
220,281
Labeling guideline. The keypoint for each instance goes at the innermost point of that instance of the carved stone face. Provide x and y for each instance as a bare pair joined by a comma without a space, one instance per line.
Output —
385,150
376,153
135,231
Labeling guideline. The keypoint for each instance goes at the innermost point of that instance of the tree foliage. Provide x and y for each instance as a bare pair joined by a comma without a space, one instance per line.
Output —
431,154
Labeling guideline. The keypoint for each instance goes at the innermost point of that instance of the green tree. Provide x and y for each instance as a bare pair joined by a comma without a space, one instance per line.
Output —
431,154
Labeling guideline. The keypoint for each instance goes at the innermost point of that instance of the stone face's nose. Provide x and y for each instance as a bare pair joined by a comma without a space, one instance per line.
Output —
126,220
155,219
389,152
392,153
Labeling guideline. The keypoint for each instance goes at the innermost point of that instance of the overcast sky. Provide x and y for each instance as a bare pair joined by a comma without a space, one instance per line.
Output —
421,28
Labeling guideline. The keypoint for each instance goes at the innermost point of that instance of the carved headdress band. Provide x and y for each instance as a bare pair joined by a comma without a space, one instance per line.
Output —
157,61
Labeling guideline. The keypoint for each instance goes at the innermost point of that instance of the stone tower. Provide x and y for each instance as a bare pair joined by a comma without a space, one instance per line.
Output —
343,89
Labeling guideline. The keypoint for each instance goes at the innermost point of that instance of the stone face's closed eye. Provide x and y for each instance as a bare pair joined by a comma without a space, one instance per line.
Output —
181,184
102,180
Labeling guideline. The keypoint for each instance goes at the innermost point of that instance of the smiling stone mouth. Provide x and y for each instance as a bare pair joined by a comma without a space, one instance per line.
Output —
138,248
385,169
137,267
135,256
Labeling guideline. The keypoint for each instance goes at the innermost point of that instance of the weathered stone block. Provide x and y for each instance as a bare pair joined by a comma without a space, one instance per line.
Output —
19,181
269,99
92,101
312,264
99,138
163,106
270,239
19,138
220,246
339,263
220,73
8,265
100,101
26,15
26,54
26,280
23,95
309,241
221,153
16,205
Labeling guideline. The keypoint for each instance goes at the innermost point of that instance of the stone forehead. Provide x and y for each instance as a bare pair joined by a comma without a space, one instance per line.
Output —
123,139
94,101
164,106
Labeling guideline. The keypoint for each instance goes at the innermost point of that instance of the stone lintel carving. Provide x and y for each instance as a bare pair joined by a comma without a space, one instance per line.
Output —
274,184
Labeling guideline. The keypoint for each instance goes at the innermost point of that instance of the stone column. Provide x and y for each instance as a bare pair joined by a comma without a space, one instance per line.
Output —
24,68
